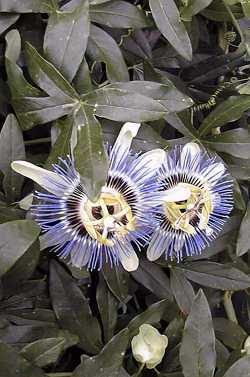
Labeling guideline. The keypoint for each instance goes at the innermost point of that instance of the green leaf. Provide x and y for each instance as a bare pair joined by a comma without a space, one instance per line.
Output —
230,333
87,142
15,239
82,81
122,105
14,365
108,306
229,110
168,96
103,48
216,275
117,280
11,148
192,8
240,368
47,351
8,213
47,76
167,19
197,352
26,6
152,315
119,14
243,242
246,8
72,309
218,12
32,111
153,278
234,142
66,38
6,20
108,362
182,290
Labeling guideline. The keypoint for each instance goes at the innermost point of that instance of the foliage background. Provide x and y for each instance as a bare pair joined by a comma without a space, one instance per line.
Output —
179,67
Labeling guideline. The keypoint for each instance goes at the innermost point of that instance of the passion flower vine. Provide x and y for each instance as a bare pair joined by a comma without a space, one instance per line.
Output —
197,198
89,233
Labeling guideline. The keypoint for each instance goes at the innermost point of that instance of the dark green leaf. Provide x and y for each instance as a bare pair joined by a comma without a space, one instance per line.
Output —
23,268
19,86
87,142
229,110
66,38
167,19
72,309
46,351
47,76
240,369
117,280
122,105
174,331
197,352
15,239
153,278
119,14
182,290
8,213
234,142
231,334
6,20
216,275
108,362
39,110
108,306
13,365
61,148
152,315
243,242
11,148
27,6
103,48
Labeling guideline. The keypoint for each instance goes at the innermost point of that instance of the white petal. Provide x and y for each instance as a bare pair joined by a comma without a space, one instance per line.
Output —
149,163
176,194
189,152
43,177
123,142
156,247
128,257
215,172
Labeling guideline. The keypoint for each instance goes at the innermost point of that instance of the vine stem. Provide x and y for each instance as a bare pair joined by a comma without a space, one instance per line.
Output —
137,374
234,21
65,374
228,305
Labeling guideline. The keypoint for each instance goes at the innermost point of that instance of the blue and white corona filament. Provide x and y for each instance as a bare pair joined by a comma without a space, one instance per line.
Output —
197,198
89,233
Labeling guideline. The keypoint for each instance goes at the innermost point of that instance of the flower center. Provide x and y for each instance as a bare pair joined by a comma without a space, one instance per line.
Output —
111,214
198,206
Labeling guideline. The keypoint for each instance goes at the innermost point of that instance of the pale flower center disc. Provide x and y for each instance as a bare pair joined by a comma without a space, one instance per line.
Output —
199,205
111,214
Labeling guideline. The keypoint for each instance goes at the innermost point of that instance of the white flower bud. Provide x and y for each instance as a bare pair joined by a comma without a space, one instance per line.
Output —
247,345
148,347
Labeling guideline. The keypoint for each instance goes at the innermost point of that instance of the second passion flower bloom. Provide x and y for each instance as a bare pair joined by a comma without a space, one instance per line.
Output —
89,233
197,198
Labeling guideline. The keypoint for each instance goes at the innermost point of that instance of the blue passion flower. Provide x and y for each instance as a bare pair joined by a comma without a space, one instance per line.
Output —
197,198
89,233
